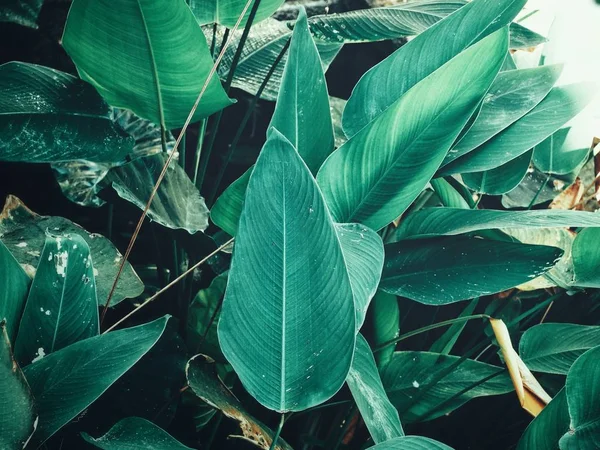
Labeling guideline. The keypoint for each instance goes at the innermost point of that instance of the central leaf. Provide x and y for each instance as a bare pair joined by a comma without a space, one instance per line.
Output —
288,320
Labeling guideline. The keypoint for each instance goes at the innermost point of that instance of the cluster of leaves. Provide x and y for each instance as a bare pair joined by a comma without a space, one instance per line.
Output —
351,210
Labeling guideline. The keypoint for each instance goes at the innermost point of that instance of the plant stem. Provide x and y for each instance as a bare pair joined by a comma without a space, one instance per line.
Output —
345,425
201,134
277,433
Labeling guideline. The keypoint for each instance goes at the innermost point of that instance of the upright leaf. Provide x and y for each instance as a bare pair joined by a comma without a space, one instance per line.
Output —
50,116
558,155
292,300
134,55
382,85
17,415
378,173
385,323
547,428
448,195
226,211
227,12
446,341
586,258
13,291
501,179
62,307
66,382
379,414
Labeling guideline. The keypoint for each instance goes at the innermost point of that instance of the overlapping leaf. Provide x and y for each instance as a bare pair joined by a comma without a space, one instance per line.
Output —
410,443
13,291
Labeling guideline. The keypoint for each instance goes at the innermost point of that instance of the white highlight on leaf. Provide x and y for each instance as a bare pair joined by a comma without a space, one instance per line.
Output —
415,384
61,262
40,354
22,244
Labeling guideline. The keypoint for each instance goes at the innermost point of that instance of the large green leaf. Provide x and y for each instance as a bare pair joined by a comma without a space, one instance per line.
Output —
50,116
583,391
411,443
135,433
501,179
385,323
205,383
132,52
364,382
292,300
22,12
382,85
66,382
448,195
451,221
586,258
177,203
226,211
512,95
24,233
407,376
555,110
13,291
554,347
227,12
17,415
62,307
376,175
537,187
547,428
557,154
446,270
265,42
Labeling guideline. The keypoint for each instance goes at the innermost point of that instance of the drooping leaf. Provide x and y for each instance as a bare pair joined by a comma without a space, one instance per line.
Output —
51,116
13,291
17,415
22,12
557,155
500,180
177,203
24,233
408,374
451,221
62,307
561,105
227,12
135,433
364,382
446,270
66,382
382,85
293,301
586,258
547,428
377,174
410,443
385,323
554,347
264,44
205,383
137,59
582,389
512,95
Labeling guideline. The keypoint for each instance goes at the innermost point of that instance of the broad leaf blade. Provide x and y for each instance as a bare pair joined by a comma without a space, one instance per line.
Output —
547,428
62,307
227,12
385,323
558,154
293,301
411,443
13,291
66,382
586,257
226,211
134,56
501,179
377,174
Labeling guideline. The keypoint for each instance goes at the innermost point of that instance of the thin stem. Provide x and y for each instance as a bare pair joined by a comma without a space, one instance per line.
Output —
169,159
277,433
315,408
171,284
201,134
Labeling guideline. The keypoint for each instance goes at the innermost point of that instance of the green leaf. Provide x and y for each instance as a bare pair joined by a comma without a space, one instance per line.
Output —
410,443
586,258
536,188
265,42
227,12
561,105
62,307
14,294
66,382
547,428
135,433
409,373
226,211
205,383
132,53
24,233
22,12
382,85
377,174
446,341
177,203
522,38
17,416
557,155
337,110
448,195
292,300
512,95
554,347
51,116
385,323
446,270
379,414
583,385
501,179
451,221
